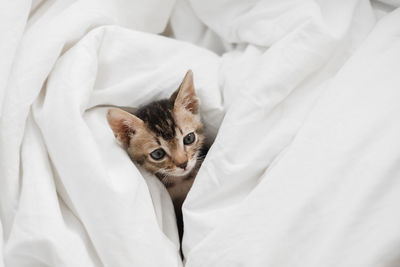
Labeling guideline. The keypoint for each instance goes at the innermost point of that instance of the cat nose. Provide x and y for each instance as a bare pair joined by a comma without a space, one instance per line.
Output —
182,165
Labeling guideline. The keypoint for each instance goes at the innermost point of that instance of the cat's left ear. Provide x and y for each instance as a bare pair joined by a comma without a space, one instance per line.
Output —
185,97
124,125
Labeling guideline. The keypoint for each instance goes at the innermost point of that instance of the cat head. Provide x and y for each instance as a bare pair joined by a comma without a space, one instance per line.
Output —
165,136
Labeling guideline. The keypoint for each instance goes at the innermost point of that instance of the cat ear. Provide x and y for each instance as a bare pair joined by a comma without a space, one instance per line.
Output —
185,97
123,124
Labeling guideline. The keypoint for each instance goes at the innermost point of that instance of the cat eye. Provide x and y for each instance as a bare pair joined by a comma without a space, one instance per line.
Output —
189,139
158,154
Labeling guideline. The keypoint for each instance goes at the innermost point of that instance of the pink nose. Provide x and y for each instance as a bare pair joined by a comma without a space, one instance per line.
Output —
182,165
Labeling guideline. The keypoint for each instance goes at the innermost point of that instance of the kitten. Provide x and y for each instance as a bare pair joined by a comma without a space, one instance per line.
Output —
166,138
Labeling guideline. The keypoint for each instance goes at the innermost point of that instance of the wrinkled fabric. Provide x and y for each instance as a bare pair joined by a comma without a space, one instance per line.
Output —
299,100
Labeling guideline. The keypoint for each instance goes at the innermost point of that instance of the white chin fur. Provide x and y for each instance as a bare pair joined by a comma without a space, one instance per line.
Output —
181,172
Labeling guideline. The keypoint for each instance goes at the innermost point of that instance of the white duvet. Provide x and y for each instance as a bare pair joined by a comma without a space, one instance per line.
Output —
301,97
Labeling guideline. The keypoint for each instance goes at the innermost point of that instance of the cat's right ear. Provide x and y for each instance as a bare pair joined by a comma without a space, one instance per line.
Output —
123,124
185,97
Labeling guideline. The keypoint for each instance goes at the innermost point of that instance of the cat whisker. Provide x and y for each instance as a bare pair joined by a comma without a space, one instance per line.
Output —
164,178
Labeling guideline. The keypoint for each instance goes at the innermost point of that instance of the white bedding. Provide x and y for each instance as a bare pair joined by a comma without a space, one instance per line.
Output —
302,98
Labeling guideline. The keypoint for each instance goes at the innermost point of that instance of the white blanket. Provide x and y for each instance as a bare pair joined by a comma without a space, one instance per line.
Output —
301,99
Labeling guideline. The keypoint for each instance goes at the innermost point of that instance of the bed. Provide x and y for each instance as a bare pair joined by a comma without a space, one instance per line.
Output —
300,100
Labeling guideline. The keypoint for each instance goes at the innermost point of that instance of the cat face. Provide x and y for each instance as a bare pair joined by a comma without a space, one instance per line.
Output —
164,136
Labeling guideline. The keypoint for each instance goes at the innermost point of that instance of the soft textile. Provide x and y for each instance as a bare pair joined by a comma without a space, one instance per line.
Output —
300,100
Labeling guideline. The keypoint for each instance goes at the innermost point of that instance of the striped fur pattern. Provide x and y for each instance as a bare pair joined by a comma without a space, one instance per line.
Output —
166,138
